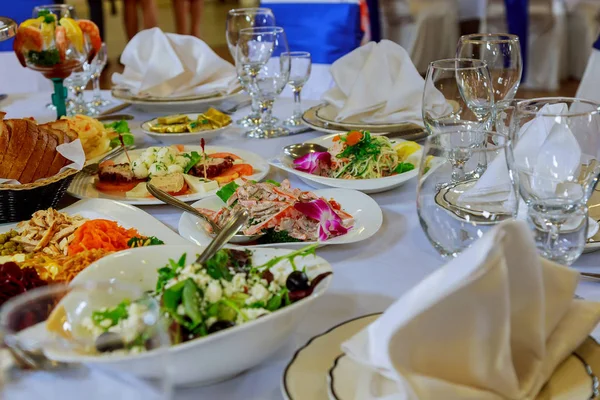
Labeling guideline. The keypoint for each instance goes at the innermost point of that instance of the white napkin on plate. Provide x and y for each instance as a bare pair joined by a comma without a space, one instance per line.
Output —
170,65
378,83
543,141
492,324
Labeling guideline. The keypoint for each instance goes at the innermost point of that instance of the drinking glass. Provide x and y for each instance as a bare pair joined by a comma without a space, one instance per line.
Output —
60,10
98,64
502,54
263,72
76,83
555,148
458,94
453,212
300,66
46,331
238,19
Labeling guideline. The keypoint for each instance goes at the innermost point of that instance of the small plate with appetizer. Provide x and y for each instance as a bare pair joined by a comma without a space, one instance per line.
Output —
187,128
54,246
356,160
288,217
186,171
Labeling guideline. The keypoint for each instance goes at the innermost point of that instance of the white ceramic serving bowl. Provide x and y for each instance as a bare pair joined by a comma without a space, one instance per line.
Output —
213,358
182,138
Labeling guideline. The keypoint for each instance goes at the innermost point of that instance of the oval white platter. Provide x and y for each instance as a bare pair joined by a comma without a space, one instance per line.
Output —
182,138
286,163
83,184
366,212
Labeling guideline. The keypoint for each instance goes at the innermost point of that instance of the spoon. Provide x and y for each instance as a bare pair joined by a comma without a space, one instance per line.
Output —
172,200
301,149
229,231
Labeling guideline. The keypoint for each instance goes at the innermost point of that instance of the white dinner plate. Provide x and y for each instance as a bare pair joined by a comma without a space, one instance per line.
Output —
364,185
83,185
175,104
182,138
366,212
327,113
125,215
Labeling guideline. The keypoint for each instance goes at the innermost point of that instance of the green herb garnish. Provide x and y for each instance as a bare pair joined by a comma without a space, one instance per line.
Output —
140,241
227,191
218,266
272,182
272,236
44,58
303,252
169,272
114,315
404,167
193,158
122,128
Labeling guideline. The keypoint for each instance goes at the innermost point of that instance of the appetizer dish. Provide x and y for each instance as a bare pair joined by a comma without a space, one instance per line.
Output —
282,213
181,123
200,299
97,138
189,172
48,42
359,155
28,151
54,247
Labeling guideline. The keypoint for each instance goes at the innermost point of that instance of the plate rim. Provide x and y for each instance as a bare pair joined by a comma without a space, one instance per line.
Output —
153,202
275,245
174,101
182,134
387,127
284,387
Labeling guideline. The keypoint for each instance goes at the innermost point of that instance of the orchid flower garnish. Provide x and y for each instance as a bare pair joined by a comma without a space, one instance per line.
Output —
330,224
313,162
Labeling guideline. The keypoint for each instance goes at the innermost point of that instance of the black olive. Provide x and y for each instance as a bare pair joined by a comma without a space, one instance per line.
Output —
297,280
109,341
220,325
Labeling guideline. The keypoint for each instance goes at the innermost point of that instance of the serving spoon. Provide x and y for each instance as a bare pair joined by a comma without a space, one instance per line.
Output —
175,202
301,149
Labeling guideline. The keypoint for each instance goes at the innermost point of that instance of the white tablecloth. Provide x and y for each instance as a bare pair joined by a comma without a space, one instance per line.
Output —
368,276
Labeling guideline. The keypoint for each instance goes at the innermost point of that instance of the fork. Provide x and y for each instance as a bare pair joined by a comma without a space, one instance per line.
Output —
91,169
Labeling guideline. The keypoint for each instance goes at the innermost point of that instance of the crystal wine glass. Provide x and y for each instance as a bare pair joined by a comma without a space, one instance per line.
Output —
52,333
264,72
76,84
555,153
98,64
238,19
455,213
300,66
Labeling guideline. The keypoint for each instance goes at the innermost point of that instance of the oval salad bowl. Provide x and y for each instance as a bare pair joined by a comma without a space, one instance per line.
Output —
216,356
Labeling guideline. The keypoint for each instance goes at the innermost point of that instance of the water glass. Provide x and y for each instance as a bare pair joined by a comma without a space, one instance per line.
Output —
263,72
458,94
55,354
60,10
454,211
300,66
238,19
555,153
502,54
98,64
76,83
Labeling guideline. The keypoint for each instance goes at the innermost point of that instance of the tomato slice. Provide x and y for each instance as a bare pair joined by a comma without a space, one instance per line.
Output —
223,155
242,169
227,177
104,186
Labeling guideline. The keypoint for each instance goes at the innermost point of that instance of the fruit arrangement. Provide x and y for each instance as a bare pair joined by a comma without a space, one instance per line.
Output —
47,41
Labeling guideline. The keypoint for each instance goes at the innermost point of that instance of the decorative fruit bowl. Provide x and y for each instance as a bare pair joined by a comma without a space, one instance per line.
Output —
55,44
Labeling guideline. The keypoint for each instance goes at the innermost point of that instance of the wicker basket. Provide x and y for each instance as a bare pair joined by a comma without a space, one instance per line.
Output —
19,202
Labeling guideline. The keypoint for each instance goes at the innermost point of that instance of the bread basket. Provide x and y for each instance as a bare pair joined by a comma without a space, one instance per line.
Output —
19,202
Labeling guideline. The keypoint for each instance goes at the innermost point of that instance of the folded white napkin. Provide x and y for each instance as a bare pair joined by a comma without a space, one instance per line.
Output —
378,83
171,65
492,324
543,141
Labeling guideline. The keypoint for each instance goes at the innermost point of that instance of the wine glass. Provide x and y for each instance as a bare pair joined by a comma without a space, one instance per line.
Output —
76,83
238,19
300,66
56,332
263,72
555,153
98,64
455,213
502,54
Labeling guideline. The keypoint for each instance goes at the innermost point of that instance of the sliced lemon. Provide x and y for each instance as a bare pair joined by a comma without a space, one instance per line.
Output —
405,149
73,32
48,33
34,22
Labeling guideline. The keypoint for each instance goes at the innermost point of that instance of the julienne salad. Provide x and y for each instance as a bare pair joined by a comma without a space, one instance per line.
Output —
200,299
360,155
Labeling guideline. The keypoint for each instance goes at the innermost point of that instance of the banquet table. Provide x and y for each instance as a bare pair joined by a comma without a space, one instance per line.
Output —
368,276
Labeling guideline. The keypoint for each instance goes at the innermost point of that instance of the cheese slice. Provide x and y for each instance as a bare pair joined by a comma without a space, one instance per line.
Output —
138,192
200,185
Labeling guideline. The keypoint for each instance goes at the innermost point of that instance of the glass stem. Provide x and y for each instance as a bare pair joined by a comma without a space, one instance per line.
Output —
59,97
297,102
255,105
266,107
553,236
96,83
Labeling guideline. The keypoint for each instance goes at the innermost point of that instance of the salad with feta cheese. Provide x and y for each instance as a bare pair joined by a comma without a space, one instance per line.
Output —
200,299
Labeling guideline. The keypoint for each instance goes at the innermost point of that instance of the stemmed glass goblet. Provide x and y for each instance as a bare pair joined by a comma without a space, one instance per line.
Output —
263,72
97,66
238,19
76,83
300,66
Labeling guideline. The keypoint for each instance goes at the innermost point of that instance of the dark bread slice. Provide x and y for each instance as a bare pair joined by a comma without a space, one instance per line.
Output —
36,157
4,137
22,142
46,162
